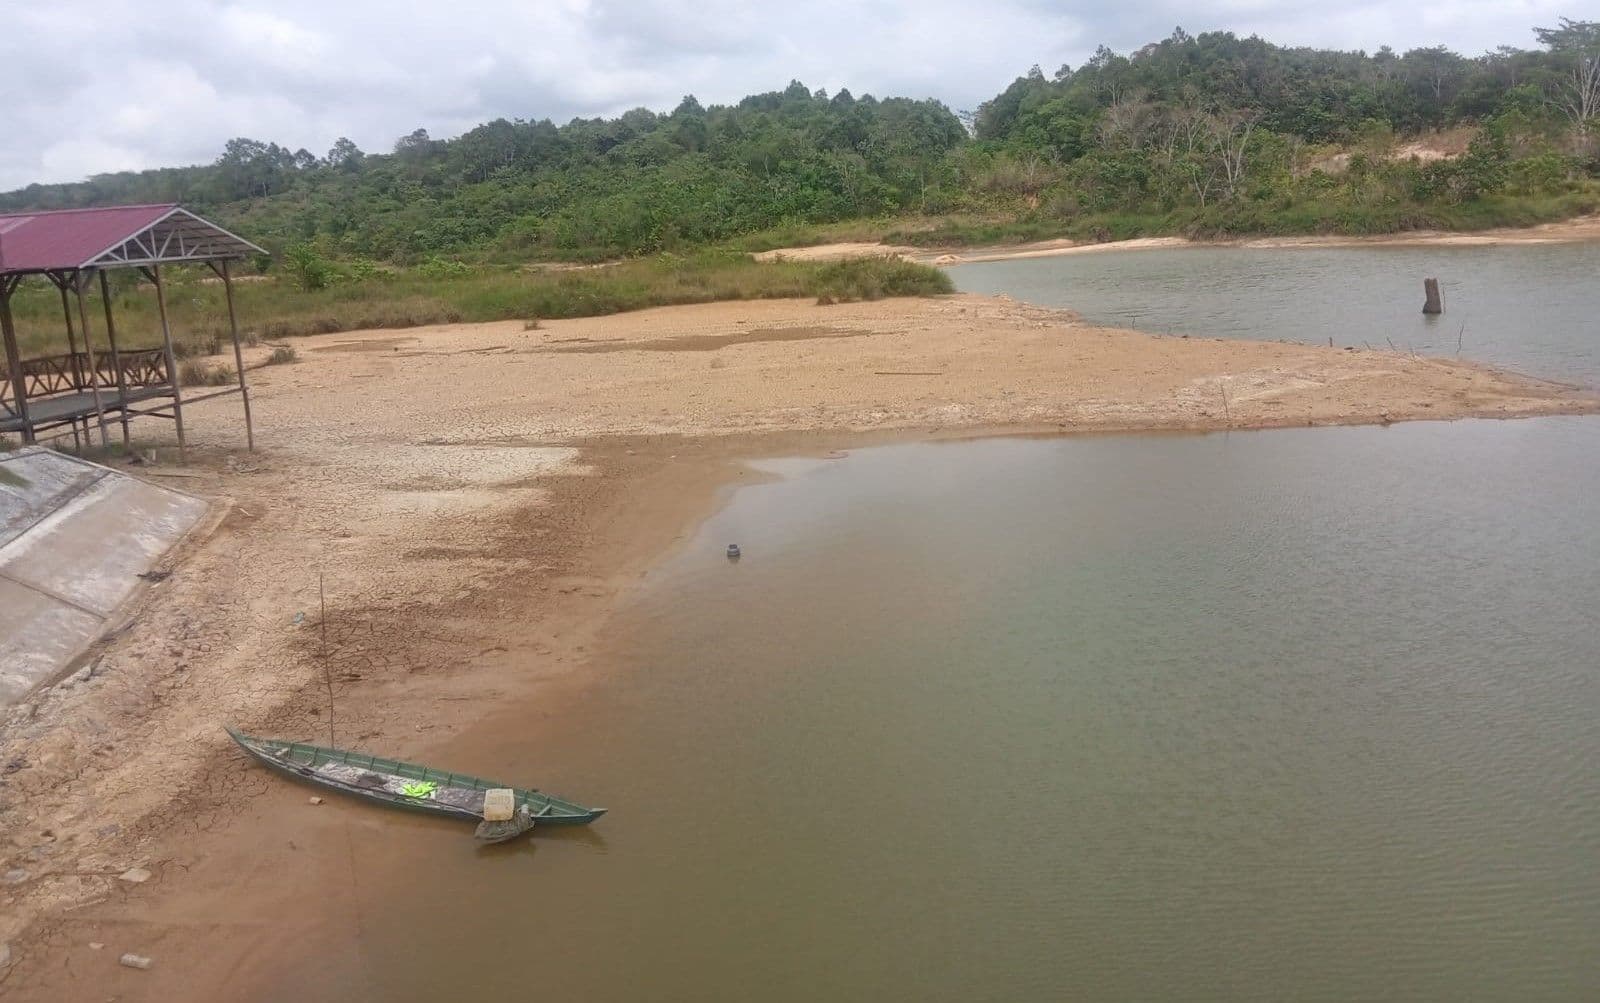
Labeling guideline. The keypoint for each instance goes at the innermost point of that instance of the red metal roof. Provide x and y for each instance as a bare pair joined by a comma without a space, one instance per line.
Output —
69,238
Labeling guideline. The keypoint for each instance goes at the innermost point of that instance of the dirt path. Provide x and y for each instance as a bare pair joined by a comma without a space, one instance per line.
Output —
472,501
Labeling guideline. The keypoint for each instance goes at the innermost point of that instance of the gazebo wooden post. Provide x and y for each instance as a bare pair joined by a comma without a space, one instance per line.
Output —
88,351
72,356
72,341
172,360
8,332
238,356
116,358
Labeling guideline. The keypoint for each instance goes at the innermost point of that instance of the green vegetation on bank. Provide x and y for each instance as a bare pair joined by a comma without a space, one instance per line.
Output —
1200,135
278,306
1311,216
1216,136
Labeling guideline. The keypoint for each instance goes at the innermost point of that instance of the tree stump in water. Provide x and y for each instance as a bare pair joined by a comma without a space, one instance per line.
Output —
1433,302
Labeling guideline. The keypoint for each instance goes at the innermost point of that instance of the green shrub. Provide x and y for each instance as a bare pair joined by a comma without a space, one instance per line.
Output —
361,269
310,270
443,268
1540,174
877,278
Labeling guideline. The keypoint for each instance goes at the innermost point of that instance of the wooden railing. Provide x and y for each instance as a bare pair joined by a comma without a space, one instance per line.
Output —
57,374
145,367
51,374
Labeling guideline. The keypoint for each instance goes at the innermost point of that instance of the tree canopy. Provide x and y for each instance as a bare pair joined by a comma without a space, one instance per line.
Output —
1208,131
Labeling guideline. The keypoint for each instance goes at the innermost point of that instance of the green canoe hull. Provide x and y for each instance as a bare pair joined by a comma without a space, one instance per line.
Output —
457,795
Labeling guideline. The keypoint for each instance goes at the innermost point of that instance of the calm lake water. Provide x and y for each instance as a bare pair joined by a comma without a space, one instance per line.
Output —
1302,714
1535,307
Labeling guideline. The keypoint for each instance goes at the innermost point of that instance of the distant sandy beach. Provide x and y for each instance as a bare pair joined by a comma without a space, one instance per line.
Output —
1573,230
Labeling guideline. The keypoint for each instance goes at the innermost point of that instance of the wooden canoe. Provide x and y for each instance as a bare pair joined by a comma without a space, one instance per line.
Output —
405,785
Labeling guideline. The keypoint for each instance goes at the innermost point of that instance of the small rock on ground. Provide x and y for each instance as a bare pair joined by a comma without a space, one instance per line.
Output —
134,876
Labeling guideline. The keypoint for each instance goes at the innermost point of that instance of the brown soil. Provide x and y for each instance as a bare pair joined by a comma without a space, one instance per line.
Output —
837,251
705,342
471,501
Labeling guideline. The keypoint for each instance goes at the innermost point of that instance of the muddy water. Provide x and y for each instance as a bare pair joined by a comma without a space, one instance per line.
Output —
1532,308
1303,714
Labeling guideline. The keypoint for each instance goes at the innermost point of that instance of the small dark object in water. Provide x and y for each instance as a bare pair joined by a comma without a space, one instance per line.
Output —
733,552
155,576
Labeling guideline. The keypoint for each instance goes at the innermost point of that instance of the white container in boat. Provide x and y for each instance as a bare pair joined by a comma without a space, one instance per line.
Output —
499,804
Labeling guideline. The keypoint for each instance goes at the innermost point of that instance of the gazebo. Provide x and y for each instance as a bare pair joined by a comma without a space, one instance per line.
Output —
71,248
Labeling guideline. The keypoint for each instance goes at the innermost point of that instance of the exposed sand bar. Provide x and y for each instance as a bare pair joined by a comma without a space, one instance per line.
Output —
475,500
954,362
1568,231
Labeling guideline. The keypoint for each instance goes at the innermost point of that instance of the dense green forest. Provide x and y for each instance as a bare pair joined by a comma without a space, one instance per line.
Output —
1205,135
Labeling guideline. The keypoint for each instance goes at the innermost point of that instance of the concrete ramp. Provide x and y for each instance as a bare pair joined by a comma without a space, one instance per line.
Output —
74,538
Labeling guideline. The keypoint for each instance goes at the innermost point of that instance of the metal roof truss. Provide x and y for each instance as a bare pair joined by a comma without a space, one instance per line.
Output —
176,238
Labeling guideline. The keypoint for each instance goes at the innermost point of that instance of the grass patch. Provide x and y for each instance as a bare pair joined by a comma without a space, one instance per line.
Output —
1517,210
1252,218
277,308
282,355
878,278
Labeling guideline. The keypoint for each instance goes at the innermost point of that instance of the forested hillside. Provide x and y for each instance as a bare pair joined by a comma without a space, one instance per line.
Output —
1244,135
1208,135
592,187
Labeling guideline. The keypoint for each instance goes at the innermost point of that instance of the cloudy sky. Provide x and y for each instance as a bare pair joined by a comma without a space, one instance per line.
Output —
103,85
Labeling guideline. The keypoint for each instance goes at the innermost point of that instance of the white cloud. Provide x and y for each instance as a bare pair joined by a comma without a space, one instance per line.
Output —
72,158
100,85
276,39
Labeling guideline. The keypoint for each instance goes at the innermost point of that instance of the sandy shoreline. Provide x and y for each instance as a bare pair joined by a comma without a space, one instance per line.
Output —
476,500
1568,231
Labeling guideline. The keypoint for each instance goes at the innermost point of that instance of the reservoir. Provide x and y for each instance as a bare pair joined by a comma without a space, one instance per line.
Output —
1531,308
1296,714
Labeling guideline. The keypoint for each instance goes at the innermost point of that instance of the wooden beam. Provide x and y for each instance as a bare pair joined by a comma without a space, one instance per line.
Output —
172,361
227,392
72,356
8,333
88,350
238,356
72,341
116,357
